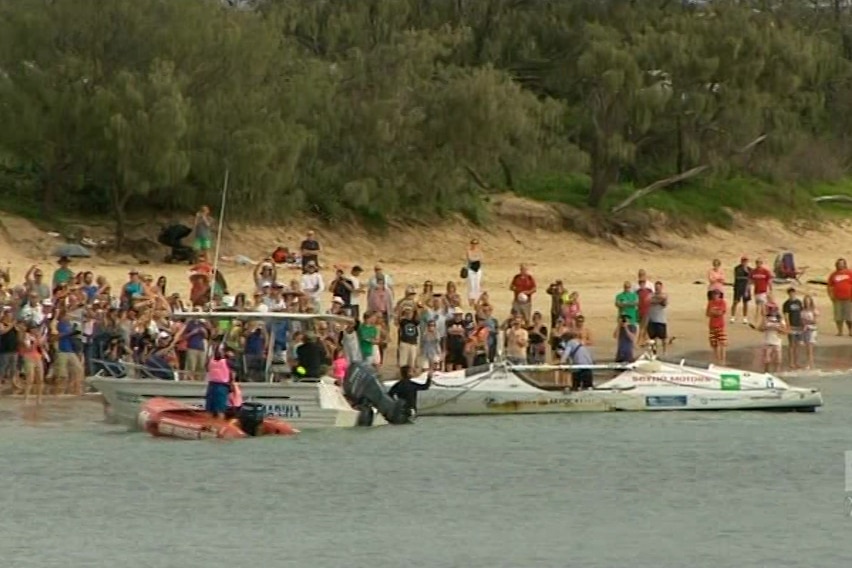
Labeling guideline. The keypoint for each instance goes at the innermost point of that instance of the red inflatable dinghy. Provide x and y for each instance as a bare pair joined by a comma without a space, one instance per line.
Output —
169,418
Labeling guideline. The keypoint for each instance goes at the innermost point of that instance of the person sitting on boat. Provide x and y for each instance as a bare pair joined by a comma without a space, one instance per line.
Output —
576,353
311,356
218,384
406,390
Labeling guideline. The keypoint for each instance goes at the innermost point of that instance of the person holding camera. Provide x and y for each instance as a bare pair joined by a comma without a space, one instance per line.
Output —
625,335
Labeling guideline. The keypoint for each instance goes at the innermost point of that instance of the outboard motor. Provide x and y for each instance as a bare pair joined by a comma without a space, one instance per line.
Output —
365,391
251,417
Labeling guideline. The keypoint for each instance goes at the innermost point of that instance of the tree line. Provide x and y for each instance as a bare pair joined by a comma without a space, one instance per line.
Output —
408,108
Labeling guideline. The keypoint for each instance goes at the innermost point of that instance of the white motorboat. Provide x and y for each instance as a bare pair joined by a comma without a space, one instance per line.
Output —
304,403
647,384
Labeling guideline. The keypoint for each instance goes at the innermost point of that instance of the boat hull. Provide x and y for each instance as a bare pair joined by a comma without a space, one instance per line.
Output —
305,405
164,418
640,386
449,402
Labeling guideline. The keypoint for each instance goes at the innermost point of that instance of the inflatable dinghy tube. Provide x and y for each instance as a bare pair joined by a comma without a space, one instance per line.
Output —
362,387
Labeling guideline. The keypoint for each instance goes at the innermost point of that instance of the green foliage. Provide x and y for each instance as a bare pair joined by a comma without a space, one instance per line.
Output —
405,108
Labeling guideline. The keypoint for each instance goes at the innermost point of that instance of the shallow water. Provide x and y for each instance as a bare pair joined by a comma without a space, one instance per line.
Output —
614,489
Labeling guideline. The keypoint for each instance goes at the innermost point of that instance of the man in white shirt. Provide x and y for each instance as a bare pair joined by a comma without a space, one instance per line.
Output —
275,300
33,311
313,285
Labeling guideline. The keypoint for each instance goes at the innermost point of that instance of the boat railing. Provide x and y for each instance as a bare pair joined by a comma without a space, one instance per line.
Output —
133,370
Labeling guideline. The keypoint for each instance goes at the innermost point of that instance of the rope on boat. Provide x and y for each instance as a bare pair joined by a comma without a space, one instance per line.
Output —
463,389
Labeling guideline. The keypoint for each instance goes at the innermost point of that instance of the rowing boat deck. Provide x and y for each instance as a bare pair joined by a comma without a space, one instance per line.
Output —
558,379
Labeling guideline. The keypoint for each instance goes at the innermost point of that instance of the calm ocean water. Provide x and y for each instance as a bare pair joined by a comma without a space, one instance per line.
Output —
623,489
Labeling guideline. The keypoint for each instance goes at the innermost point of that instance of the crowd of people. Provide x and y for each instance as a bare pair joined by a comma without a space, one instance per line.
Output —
54,331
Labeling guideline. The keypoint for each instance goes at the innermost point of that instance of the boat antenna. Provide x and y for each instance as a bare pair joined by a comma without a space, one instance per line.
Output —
219,234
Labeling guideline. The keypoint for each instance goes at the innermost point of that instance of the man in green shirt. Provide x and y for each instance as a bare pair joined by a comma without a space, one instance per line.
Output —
627,303
368,337
63,274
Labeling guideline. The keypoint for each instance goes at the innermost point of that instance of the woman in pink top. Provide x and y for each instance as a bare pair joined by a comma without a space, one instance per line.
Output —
235,398
715,278
218,384
339,366
571,309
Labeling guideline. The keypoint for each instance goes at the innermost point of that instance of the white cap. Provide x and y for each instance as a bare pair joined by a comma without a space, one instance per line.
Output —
228,301
47,302
164,335
338,300
458,310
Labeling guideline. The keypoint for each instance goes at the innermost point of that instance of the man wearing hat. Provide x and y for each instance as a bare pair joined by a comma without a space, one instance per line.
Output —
408,302
63,274
742,284
408,337
337,306
133,288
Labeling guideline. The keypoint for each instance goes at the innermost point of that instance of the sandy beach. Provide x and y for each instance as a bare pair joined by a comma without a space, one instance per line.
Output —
412,254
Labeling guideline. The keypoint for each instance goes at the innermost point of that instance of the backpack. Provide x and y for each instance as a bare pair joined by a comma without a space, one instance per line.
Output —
279,256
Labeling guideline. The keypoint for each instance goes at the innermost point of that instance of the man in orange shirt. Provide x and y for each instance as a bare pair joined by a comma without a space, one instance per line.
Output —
839,287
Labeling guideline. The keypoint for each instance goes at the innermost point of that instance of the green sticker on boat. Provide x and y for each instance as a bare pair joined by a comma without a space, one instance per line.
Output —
730,382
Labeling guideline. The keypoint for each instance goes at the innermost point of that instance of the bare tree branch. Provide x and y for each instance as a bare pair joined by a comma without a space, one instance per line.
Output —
660,184
639,193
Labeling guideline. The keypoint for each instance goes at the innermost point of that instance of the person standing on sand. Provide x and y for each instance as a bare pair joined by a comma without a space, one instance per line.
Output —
625,335
716,310
742,291
474,272
556,291
357,292
517,341
523,287
792,310
627,303
33,348
761,282
644,290
809,324
715,278
773,328
657,327
839,286
202,228
578,354
309,251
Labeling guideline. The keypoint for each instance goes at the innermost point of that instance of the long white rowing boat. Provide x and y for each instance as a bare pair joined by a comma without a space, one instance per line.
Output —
304,403
647,384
